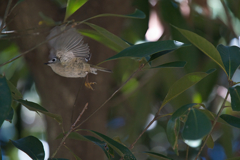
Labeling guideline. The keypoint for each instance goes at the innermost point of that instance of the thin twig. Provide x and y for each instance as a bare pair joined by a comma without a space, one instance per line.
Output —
187,152
132,145
70,131
5,15
111,96
214,123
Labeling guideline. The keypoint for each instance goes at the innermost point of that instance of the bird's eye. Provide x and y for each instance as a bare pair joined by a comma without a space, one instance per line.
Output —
54,59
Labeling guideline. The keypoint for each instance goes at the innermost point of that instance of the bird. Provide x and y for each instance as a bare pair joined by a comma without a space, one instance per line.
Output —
69,54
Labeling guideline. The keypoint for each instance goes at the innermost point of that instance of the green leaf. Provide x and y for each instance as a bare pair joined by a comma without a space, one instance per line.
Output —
157,156
73,6
14,91
138,14
230,57
36,107
148,49
10,115
115,39
212,116
75,156
173,128
231,120
210,142
184,83
5,99
196,126
235,98
47,20
156,55
100,38
122,150
205,46
176,64
31,146
234,158
77,136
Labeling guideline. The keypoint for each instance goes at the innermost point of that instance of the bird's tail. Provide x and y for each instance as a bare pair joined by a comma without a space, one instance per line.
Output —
101,69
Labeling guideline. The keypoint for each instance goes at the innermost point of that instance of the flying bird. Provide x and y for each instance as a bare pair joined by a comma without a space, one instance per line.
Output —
69,55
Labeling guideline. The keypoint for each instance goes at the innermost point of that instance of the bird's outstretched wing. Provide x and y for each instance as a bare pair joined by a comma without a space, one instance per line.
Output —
68,44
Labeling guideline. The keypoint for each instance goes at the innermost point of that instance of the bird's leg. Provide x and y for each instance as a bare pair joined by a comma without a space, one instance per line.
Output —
88,84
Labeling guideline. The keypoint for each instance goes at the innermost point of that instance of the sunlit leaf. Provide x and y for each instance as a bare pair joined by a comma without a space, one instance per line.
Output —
14,91
231,120
5,99
230,57
36,107
73,6
235,98
100,38
31,146
122,150
196,126
148,49
184,83
115,39
177,64
204,45
157,156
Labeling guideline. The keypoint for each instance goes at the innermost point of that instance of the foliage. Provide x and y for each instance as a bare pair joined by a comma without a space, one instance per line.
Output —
190,121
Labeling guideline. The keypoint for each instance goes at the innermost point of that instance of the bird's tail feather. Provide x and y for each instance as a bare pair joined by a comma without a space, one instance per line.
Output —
101,69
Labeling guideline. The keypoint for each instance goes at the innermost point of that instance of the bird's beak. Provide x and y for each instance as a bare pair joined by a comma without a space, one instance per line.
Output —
46,63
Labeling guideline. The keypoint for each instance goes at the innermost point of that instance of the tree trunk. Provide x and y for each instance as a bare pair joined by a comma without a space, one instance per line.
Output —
58,93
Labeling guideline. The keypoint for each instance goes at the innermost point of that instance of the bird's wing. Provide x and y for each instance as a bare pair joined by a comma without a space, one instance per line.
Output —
68,44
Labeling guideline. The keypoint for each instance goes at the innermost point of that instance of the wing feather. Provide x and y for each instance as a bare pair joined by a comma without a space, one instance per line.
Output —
68,44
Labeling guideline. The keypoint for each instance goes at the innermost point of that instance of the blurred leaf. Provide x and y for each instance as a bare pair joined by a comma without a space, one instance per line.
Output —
100,38
115,39
233,121
75,156
10,115
47,20
234,158
136,15
73,6
212,116
210,142
176,64
15,93
77,136
5,99
196,126
230,57
235,98
148,48
157,156
32,146
184,83
37,108
122,150
173,128
204,45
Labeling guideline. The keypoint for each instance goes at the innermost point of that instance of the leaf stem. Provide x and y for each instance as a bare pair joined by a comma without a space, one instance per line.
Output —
5,15
71,130
214,123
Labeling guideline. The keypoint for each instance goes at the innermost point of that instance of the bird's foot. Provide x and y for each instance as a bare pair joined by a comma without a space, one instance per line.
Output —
89,84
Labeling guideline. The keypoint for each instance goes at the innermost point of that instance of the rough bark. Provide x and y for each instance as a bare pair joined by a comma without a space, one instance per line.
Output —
58,93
